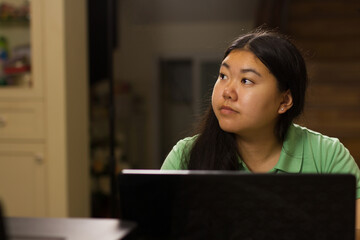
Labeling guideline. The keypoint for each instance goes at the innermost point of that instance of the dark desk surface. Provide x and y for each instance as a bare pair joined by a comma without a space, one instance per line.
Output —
66,228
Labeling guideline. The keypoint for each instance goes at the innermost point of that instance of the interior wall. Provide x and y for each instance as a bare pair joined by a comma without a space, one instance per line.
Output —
151,30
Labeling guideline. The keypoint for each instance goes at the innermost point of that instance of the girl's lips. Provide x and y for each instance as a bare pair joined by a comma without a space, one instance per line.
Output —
227,110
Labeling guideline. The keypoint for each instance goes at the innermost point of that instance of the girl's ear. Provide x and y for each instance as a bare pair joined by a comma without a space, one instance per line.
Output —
286,103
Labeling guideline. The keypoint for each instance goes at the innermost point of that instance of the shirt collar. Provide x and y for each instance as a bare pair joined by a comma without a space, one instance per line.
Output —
291,157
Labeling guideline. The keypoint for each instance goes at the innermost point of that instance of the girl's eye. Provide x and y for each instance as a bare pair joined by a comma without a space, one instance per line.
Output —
246,81
222,76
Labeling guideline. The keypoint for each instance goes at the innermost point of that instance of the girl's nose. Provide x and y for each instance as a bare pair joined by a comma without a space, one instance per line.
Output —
229,92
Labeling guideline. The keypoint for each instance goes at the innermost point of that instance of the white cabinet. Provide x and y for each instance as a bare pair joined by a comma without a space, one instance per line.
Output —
44,162
22,179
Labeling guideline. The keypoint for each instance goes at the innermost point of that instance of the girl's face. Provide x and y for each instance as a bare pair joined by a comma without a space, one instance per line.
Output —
246,99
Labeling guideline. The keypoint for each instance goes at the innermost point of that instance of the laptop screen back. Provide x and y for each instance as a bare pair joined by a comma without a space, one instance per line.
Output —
229,205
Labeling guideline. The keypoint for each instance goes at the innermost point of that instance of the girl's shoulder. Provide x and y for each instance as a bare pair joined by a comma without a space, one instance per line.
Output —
181,151
327,153
307,134
302,142
186,142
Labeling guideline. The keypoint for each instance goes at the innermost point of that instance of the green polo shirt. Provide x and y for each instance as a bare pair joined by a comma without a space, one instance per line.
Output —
303,151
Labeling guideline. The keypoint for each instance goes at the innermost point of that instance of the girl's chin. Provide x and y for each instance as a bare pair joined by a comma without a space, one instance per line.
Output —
228,129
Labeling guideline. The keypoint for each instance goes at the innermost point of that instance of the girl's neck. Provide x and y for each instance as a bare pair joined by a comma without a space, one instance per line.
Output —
260,154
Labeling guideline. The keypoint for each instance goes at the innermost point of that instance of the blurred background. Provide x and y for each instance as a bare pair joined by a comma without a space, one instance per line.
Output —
59,62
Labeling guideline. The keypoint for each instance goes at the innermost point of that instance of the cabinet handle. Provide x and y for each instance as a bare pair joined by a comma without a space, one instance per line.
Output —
39,159
2,121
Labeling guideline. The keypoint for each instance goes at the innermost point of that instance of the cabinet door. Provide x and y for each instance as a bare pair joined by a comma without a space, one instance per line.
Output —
21,120
22,180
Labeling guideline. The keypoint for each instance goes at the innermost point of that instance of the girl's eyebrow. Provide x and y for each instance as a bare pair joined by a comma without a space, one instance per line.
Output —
244,70
225,65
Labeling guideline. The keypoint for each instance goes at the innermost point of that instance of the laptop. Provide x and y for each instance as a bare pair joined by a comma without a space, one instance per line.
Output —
233,205
3,232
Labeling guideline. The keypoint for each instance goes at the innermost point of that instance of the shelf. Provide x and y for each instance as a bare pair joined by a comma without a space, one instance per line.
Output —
14,23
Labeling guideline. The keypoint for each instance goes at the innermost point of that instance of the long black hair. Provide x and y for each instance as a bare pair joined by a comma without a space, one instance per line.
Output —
215,149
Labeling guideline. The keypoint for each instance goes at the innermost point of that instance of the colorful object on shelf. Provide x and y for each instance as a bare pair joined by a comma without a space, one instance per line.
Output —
11,13
15,71
17,66
4,51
